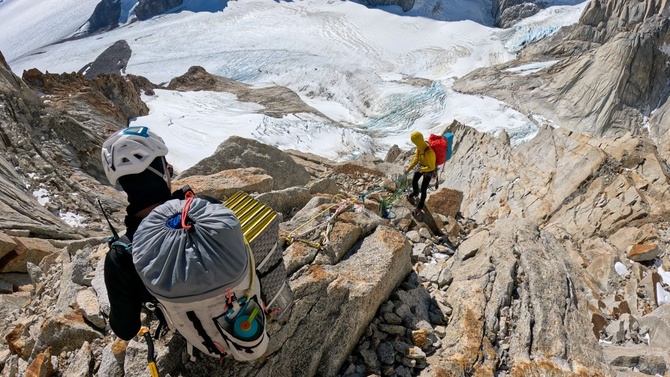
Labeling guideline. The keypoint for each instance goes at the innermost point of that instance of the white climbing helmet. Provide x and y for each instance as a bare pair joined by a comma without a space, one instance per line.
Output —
130,151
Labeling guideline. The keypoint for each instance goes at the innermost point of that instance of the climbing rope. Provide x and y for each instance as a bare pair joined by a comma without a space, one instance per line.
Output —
342,203
402,179
385,205
345,203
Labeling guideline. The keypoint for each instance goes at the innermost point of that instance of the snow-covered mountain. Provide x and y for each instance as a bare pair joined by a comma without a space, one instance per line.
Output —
375,73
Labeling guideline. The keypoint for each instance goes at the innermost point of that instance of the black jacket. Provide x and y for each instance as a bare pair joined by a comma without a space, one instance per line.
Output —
127,294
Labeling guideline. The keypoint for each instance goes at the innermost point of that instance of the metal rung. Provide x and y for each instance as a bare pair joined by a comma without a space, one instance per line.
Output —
253,215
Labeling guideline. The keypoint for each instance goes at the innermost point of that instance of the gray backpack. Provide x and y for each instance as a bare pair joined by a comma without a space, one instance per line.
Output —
192,255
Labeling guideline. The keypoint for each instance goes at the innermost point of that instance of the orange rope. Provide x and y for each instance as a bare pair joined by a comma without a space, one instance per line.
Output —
184,212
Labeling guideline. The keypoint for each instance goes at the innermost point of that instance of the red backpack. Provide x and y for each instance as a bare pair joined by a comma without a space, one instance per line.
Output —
439,145
442,146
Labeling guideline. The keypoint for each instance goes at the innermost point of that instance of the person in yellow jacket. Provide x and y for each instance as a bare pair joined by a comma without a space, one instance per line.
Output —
425,159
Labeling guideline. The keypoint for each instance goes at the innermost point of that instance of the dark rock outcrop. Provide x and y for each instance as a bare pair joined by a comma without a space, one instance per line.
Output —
105,17
406,5
276,100
108,94
513,14
112,61
147,9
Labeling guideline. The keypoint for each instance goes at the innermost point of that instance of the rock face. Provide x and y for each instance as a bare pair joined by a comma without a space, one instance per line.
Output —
523,274
406,5
611,72
105,17
50,150
150,8
603,19
507,12
510,15
21,106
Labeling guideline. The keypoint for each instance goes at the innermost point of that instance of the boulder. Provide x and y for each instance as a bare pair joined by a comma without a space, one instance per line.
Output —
27,250
324,186
341,239
82,363
659,326
112,360
298,254
19,339
357,286
87,301
445,201
66,332
41,366
7,244
225,183
643,252
286,201
237,152
646,359
601,270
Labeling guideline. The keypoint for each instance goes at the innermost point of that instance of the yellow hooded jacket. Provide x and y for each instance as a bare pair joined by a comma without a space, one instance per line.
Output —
424,154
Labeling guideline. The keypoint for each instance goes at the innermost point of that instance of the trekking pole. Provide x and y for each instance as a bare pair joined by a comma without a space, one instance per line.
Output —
151,359
114,233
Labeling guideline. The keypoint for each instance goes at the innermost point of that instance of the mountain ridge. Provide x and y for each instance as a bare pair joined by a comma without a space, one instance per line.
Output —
547,257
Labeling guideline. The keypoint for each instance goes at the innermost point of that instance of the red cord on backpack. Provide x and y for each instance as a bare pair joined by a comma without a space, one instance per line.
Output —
184,212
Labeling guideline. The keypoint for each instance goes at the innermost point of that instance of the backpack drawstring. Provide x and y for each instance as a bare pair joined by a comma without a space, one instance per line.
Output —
184,212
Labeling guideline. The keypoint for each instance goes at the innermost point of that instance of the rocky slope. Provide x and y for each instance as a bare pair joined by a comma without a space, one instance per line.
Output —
545,259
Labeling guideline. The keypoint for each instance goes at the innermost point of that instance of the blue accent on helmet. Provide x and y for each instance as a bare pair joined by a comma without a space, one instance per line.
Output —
139,131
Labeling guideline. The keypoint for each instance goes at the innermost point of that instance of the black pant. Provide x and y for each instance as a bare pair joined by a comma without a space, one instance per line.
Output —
424,186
